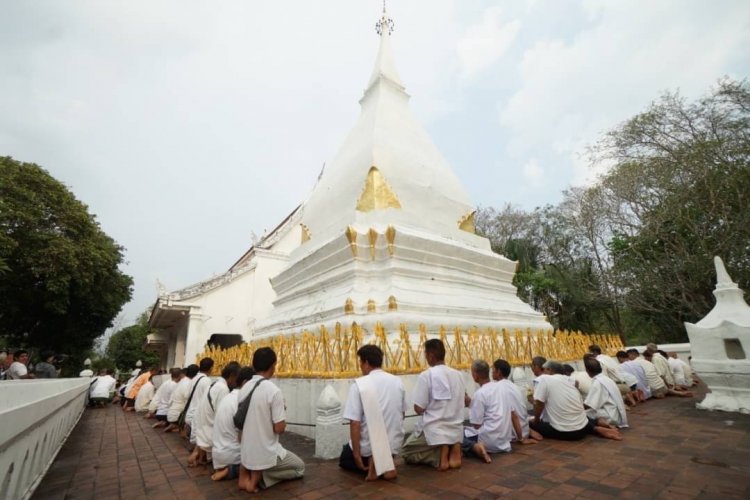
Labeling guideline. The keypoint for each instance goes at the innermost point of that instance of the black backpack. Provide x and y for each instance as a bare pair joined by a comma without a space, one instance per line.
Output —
241,415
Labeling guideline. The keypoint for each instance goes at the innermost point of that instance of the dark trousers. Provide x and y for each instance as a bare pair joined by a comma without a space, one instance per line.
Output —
346,460
546,430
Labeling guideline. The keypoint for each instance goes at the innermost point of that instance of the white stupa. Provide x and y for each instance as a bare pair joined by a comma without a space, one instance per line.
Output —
719,343
387,234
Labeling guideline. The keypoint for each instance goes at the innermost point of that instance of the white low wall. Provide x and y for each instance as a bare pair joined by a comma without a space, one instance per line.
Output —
36,417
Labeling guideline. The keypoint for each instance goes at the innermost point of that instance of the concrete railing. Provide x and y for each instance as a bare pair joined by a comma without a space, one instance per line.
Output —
36,417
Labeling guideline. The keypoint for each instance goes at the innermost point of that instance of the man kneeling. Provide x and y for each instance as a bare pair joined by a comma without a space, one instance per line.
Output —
375,409
439,401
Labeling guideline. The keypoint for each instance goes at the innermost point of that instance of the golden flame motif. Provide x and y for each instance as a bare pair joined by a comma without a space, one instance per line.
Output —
349,306
305,233
351,236
467,223
334,354
390,237
372,237
377,194
371,306
392,305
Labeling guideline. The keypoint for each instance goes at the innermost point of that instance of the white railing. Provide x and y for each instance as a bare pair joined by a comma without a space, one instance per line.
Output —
36,417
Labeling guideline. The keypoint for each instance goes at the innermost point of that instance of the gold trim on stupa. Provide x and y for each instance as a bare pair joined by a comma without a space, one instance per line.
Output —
377,194
467,223
305,233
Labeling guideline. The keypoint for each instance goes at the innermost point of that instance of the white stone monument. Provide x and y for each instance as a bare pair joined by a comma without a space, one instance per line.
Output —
719,343
387,234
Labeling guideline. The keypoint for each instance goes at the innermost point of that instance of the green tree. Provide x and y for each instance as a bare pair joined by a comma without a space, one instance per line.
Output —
125,346
63,286
678,196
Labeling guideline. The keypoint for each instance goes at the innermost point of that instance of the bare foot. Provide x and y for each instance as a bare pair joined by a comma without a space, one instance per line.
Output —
454,459
157,424
529,441
371,474
444,463
391,474
481,451
608,433
535,435
220,474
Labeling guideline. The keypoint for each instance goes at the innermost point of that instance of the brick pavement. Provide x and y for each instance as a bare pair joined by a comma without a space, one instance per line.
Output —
671,451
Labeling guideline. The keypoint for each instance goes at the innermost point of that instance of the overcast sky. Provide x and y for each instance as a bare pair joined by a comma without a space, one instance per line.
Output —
188,126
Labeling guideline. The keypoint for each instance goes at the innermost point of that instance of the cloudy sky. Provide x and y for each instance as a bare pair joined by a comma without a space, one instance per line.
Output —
187,127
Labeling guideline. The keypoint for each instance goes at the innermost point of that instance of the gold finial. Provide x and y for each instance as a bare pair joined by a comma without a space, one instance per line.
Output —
372,236
349,306
351,236
392,305
371,306
390,237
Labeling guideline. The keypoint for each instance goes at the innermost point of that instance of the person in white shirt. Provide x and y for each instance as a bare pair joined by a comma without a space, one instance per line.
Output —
513,394
375,410
203,420
642,389
144,396
603,402
439,400
164,395
179,399
664,389
686,368
198,387
625,382
18,369
678,372
490,427
660,363
225,438
102,389
261,452
565,416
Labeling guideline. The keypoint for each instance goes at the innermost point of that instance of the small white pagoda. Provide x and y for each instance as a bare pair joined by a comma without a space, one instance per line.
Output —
719,343
388,233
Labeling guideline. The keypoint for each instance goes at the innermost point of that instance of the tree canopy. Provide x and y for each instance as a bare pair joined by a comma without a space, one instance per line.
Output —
61,286
633,253
125,346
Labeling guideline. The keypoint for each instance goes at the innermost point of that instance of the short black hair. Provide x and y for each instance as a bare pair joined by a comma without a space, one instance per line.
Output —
436,347
232,368
663,354
46,354
206,365
594,348
633,351
621,354
245,374
502,366
175,372
20,353
263,359
538,361
372,354
567,369
553,366
191,371
593,367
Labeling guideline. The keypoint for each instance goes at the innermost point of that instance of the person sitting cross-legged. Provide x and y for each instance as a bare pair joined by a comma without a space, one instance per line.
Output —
490,417
375,410
564,414
439,399
513,395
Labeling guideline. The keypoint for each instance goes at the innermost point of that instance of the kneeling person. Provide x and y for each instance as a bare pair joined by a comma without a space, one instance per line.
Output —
375,409
490,417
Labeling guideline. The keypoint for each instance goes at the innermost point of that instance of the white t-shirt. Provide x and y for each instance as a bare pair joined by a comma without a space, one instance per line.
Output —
637,371
260,445
655,382
442,420
225,437
163,395
602,400
391,399
491,409
678,372
103,387
583,380
201,383
16,371
145,394
611,368
178,400
204,416
513,394
562,403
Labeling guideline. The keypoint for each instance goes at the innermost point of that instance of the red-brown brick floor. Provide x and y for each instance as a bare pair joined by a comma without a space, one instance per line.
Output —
671,451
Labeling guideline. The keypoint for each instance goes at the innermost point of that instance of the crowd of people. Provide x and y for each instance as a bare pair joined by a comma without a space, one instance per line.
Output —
16,366
234,421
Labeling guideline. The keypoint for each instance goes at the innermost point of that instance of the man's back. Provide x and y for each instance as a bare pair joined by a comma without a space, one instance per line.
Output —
225,439
562,403
513,394
440,391
391,399
655,382
260,445
490,409
103,386
163,395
